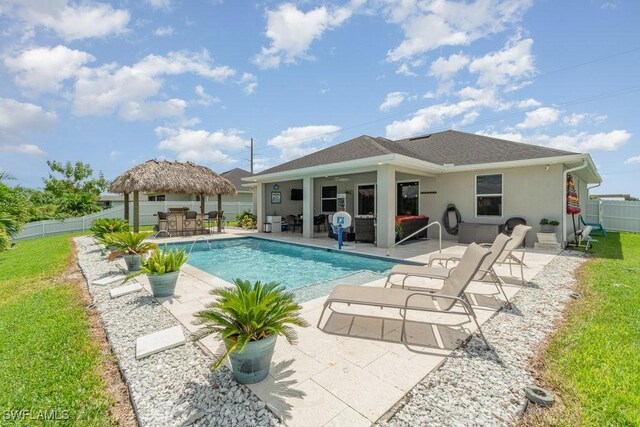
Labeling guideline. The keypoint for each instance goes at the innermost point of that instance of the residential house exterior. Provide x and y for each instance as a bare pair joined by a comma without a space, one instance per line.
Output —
488,179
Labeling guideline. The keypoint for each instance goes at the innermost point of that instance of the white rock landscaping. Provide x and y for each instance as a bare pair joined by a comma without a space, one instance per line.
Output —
480,387
175,387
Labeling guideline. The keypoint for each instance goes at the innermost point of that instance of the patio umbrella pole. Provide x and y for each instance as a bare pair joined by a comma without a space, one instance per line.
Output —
219,216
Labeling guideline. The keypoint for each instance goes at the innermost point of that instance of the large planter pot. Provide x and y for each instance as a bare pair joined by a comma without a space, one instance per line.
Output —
252,365
163,285
548,228
133,262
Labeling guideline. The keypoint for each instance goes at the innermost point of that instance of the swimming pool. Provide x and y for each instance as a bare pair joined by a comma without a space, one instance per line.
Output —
294,266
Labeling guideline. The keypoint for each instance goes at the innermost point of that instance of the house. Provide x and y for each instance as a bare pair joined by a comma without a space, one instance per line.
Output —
243,196
488,179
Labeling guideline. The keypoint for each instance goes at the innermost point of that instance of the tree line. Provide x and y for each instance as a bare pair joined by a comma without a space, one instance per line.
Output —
70,190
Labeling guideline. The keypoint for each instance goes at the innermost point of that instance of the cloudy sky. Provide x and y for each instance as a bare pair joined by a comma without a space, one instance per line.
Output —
117,83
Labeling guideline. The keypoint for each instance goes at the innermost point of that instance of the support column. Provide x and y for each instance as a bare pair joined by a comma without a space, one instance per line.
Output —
386,195
219,216
126,207
259,202
136,211
307,207
202,204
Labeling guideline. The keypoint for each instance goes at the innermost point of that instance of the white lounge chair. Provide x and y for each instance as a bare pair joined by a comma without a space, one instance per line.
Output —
443,300
584,237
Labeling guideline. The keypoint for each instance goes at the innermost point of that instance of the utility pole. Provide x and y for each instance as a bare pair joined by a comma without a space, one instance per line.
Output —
251,156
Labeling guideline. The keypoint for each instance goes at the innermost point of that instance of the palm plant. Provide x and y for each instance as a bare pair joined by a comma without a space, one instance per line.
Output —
103,226
9,227
249,312
162,262
128,243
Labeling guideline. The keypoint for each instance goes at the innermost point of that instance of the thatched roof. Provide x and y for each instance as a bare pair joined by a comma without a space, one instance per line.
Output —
172,177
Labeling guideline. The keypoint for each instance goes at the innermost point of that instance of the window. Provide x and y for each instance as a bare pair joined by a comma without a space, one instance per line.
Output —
366,199
152,198
489,195
157,198
407,198
329,201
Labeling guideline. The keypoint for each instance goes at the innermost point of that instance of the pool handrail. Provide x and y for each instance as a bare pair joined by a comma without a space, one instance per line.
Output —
416,232
196,241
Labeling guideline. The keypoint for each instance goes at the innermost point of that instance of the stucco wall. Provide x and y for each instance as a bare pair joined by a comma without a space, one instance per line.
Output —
287,206
532,193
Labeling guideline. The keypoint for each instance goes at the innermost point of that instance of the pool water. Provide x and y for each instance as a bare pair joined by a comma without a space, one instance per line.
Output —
294,266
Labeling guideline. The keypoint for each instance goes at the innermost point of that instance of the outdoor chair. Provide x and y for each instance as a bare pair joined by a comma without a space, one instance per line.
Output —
486,273
293,223
583,237
594,225
510,224
163,224
365,229
442,301
320,220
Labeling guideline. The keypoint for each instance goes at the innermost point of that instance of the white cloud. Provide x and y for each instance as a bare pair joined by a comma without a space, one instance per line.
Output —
529,103
201,145
20,117
576,142
250,83
205,98
405,70
292,31
164,31
511,64
445,68
432,24
126,90
44,69
392,100
574,119
539,117
296,142
160,4
70,21
28,149
633,160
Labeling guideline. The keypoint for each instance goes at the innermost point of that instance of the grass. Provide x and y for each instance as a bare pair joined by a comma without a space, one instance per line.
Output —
47,357
593,362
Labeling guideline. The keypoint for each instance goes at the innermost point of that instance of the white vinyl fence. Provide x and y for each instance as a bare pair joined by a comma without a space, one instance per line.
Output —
147,211
614,214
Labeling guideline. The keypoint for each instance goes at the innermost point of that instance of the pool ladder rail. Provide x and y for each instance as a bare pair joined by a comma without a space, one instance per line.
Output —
419,231
197,240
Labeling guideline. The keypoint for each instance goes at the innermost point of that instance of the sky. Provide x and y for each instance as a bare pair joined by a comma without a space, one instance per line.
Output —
117,83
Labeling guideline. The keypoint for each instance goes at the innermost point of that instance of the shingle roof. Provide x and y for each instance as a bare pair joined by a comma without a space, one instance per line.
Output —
458,148
235,176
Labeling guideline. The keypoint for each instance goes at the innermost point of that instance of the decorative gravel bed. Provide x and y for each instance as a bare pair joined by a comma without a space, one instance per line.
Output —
175,387
476,386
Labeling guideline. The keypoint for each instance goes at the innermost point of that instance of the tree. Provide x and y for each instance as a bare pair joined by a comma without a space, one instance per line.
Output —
9,226
74,187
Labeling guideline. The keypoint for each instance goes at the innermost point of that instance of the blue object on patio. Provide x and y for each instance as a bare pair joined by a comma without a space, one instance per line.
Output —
596,226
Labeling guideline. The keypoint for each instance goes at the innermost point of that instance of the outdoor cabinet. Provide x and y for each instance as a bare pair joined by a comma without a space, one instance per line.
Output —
469,232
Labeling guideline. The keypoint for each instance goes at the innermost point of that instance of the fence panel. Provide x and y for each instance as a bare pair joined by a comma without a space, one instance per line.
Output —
621,215
147,212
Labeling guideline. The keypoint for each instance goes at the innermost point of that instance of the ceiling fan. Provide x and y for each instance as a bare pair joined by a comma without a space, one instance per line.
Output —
341,179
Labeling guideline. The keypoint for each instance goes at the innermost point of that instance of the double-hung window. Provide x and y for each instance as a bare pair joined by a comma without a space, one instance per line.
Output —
489,195
329,201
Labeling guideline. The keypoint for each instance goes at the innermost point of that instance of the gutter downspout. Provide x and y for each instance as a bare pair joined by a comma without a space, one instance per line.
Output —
585,163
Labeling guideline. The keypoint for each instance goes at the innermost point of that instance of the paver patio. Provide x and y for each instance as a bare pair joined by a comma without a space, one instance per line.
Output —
354,369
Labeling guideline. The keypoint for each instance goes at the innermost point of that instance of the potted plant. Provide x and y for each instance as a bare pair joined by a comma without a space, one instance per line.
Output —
162,269
249,317
547,226
131,246
103,228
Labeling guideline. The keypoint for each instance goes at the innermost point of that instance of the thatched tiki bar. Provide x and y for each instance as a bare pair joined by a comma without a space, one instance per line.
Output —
156,176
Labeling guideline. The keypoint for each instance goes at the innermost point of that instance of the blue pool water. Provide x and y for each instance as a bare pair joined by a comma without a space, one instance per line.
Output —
294,266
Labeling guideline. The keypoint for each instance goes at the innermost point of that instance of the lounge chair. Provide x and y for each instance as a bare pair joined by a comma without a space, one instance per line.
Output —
441,301
583,237
485,273
595,226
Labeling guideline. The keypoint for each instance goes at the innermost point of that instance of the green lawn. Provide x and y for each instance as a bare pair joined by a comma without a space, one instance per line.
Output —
594,360
48,361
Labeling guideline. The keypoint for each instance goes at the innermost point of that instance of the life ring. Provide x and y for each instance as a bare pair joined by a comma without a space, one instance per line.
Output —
538,395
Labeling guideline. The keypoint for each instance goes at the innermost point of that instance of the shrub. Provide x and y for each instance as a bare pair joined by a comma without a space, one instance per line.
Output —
100,227
127,243
247,220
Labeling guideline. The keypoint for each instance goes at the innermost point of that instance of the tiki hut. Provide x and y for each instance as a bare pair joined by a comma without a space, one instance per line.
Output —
169,177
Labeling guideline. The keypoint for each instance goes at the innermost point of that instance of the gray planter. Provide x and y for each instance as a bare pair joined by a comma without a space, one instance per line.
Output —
548,228
163,285
133,262
252,365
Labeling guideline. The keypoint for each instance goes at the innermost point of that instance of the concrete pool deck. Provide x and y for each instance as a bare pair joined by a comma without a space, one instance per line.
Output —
354,369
